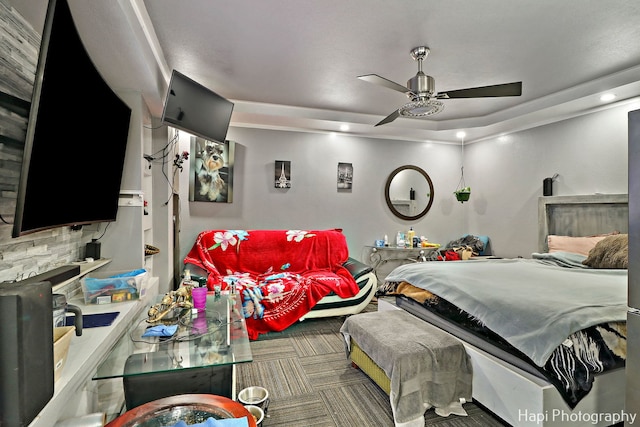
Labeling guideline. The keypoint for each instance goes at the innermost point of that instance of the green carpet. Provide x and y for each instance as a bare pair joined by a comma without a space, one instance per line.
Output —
311,382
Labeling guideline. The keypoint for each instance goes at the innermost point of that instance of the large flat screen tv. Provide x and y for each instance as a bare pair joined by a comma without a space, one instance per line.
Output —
193,108
76,136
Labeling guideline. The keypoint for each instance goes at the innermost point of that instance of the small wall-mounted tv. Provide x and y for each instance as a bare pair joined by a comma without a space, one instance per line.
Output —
193,108
70,175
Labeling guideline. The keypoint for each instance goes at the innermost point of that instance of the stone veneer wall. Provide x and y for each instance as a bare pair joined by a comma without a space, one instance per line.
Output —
39,252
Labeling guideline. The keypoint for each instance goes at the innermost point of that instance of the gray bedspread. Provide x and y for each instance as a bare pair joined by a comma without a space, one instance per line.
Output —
535,304
427,367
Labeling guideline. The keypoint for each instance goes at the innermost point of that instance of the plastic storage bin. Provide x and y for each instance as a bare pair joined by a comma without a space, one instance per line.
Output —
107,287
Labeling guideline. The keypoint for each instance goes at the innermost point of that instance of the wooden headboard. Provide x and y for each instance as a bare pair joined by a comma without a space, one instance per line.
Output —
581,216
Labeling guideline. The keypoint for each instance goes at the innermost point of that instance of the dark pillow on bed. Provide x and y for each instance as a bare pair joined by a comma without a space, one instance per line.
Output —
610,252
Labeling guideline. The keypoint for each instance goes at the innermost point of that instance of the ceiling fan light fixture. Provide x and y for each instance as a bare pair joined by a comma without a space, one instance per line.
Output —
422,108
420,89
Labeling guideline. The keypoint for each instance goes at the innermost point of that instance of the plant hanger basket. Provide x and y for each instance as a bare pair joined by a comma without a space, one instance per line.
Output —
463,192
463,196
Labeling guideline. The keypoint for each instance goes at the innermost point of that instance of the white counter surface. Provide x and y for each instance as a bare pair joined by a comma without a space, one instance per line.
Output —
87,351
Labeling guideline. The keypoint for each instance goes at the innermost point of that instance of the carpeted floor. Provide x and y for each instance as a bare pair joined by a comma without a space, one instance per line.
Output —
311,382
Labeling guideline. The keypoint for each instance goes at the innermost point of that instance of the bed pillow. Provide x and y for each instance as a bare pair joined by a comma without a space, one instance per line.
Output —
610,252
576,245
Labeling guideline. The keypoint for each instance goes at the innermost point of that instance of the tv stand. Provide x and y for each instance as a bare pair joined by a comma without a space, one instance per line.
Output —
76,394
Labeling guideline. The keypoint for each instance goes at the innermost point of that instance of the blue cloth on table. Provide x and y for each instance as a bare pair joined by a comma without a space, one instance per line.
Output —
160,331
210,422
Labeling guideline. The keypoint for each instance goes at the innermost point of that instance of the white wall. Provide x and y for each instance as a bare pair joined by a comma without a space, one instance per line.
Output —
589,153
505,174
313,201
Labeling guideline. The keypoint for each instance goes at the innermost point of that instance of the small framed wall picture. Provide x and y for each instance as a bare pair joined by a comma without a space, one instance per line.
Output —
345,176
283,174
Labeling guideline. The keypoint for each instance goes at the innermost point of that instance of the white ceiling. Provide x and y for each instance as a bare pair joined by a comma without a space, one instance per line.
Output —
292,64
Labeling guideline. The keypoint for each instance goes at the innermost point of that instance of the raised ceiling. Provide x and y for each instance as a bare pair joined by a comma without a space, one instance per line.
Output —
292,64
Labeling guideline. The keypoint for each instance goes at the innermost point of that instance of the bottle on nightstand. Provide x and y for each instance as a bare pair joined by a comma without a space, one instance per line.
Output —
410,235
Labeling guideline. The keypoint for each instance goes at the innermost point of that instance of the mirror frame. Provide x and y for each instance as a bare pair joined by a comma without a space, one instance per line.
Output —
388,197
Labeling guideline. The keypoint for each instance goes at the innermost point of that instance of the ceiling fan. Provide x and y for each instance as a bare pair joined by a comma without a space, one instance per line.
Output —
420,90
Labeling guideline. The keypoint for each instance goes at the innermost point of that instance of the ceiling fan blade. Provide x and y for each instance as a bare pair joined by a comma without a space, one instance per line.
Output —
391,117
377,80
506,89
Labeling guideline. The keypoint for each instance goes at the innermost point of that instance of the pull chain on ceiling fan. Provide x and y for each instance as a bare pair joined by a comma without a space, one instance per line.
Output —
420,90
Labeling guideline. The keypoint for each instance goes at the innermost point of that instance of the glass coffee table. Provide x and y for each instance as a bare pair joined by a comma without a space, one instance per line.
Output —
200,357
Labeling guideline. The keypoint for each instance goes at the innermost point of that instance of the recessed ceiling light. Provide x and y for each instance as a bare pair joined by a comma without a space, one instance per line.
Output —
344,128
460,135
607,97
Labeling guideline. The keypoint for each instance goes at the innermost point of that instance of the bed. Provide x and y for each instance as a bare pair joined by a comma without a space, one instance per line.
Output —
573,372
283,276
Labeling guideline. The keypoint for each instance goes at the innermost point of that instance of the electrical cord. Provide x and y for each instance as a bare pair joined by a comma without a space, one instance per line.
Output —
4,220
103,233
161,157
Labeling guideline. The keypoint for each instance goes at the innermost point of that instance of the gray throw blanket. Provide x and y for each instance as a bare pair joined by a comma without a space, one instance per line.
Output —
560,259
534,304
427,367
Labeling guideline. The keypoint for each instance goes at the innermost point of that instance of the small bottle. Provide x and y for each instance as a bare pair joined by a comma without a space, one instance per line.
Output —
400,239
386,240
186,277
410,235
187,281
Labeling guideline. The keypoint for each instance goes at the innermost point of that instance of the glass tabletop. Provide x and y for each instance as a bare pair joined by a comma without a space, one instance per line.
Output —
214,336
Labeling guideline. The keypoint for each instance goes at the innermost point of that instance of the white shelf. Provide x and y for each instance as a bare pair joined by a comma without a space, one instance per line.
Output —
131,198
406,207
85,267
146,222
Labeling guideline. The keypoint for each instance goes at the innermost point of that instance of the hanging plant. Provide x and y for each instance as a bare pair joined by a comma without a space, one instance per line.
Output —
463,192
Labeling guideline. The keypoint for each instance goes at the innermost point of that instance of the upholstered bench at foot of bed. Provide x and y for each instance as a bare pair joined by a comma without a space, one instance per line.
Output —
417,364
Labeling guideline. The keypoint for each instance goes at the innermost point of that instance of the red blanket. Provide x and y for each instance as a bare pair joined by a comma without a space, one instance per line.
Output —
280,274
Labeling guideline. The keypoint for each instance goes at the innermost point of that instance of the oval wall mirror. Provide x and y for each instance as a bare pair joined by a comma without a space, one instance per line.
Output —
409,192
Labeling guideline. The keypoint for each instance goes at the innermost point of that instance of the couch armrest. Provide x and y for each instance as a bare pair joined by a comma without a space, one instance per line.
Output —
356,268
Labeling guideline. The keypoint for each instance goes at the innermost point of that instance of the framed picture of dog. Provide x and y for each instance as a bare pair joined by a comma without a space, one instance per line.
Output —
211,177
